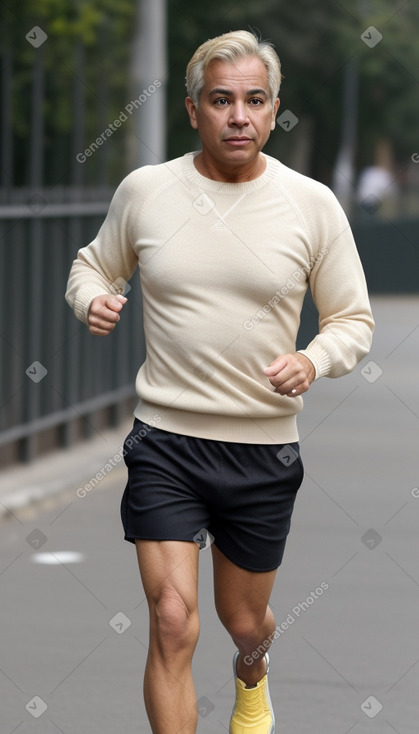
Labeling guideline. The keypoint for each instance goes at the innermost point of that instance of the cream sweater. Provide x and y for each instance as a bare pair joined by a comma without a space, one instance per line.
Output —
224,268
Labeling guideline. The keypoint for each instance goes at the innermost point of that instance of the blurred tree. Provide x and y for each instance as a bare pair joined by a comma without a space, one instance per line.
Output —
315,42
89,45
89,48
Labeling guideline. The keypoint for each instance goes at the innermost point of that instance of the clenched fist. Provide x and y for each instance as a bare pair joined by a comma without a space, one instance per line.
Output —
104,313
291,374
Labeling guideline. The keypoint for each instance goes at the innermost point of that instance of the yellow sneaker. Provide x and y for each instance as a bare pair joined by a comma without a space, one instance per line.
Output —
253,712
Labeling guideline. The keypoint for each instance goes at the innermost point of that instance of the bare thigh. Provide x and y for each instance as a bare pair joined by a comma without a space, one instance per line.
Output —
240,594
169,567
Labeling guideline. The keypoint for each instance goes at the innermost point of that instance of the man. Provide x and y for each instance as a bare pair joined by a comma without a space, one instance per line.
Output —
227,241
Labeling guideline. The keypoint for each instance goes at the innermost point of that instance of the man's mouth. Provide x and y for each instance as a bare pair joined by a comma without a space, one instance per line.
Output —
238,140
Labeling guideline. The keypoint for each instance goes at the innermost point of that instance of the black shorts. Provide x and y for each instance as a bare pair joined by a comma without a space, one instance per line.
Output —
239,496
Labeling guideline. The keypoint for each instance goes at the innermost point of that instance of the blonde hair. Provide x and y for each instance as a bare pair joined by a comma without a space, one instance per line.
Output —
230,47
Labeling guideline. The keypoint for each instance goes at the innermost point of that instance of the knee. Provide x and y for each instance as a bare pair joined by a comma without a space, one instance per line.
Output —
175,625
246,628
243,628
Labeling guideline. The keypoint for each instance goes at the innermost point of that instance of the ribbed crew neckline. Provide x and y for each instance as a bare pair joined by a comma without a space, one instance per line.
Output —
209,184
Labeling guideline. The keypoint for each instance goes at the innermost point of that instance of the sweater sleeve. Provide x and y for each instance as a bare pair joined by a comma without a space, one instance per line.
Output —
109,261
339,290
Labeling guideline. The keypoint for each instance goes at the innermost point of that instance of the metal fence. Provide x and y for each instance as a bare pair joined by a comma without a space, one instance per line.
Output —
53,373
58,383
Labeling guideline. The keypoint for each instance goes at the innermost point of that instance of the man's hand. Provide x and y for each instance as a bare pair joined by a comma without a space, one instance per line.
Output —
291,374
104,313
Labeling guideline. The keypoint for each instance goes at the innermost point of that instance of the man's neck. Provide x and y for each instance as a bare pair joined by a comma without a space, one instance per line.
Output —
230,174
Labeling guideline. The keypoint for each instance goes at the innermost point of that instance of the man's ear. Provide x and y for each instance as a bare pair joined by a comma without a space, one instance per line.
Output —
274,112
190,106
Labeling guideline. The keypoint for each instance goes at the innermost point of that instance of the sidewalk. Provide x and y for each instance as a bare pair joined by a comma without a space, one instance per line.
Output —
61,470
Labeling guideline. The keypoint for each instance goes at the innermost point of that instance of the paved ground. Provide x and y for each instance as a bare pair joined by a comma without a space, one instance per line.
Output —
74,634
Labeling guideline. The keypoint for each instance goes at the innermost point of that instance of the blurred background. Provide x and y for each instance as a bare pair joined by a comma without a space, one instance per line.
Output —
91,90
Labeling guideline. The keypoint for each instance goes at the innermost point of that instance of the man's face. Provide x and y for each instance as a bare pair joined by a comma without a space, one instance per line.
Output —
235,113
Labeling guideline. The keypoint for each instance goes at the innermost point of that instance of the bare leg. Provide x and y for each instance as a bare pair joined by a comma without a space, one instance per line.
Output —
241,599
169,572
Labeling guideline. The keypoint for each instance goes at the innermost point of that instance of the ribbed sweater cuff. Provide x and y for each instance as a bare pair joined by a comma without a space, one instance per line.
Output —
319,357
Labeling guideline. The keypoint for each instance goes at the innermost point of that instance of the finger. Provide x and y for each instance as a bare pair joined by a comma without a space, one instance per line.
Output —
115,303
96,331
103,322
106,321
293,389
286,383
277,366
107,310
285,380
294,393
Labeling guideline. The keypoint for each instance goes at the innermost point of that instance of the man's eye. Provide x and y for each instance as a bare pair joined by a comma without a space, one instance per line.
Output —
255,102
221,101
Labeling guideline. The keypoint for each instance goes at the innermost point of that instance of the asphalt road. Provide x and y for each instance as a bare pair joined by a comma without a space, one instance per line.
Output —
74,633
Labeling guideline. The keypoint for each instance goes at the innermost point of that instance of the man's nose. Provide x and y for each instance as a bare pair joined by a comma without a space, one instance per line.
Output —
238,115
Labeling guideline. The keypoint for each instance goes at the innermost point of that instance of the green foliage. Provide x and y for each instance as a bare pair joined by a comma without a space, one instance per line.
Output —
89,44
88,47
315,41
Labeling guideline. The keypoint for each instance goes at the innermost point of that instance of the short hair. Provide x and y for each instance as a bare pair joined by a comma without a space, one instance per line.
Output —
230,47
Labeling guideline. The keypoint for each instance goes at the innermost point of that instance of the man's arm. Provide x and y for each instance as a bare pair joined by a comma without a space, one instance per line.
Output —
339,290
340,294
100,271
